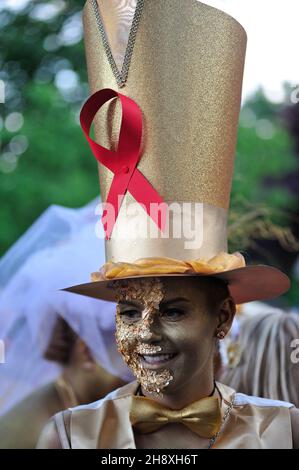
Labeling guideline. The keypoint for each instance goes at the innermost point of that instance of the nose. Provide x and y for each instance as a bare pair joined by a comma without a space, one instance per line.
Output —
149,329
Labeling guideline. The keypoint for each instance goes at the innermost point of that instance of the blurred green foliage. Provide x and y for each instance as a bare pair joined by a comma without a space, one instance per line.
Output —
57,167
264,149
40,52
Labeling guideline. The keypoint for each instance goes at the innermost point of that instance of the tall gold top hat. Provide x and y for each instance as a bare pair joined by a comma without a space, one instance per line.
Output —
167,75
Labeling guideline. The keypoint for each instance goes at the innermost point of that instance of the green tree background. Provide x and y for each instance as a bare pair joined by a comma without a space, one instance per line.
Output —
45,159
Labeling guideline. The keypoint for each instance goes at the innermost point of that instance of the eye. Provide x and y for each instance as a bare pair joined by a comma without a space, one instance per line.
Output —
173,314
130,316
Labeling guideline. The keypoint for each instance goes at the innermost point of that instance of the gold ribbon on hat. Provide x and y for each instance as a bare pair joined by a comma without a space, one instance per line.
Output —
155,266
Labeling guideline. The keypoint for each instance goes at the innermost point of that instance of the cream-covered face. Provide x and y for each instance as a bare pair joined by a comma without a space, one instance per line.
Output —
165,331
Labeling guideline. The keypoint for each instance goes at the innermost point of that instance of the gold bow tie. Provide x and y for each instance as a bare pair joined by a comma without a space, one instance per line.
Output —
203,417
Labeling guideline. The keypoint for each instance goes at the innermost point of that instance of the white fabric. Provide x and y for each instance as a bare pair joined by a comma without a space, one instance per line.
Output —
55,224
59,250
241,399
250,309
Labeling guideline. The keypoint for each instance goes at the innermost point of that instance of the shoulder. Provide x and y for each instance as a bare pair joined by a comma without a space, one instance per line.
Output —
49,438
295,427
123,392
56,433
92,425
241,399
42,402
274,421
35,409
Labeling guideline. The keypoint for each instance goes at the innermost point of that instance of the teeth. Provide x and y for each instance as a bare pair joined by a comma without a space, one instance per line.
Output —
149,351
158,358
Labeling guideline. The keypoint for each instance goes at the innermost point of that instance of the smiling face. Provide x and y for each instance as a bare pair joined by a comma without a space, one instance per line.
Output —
166,329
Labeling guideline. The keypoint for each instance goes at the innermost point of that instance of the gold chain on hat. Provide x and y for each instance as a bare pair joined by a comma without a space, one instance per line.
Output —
121,77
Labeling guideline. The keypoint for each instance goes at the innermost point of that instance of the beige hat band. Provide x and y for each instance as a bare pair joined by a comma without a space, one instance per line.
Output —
193,230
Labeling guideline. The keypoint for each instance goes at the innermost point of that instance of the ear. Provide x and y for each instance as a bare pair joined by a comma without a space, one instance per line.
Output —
226,316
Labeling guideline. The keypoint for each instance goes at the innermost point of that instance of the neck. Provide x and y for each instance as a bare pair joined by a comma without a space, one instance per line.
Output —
88,386
199,387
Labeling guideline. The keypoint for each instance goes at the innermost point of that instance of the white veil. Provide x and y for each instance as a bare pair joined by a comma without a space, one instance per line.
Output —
60,249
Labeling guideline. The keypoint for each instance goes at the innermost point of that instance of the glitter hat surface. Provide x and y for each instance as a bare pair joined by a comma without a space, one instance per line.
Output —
182,64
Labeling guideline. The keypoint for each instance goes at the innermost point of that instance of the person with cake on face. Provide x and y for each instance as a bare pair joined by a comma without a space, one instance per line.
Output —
165,138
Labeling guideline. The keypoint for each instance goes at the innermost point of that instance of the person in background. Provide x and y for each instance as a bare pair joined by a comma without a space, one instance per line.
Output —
265,356
82,380
59,348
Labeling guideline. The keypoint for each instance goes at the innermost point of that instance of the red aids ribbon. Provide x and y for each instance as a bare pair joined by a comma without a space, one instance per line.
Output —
123,162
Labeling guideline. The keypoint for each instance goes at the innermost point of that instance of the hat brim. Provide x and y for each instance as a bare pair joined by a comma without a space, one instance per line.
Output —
245,284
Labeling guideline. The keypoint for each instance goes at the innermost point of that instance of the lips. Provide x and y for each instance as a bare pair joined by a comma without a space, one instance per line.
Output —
157,360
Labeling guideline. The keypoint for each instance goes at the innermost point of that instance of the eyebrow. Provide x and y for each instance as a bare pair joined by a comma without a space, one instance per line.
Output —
171,301
163,304
132,303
